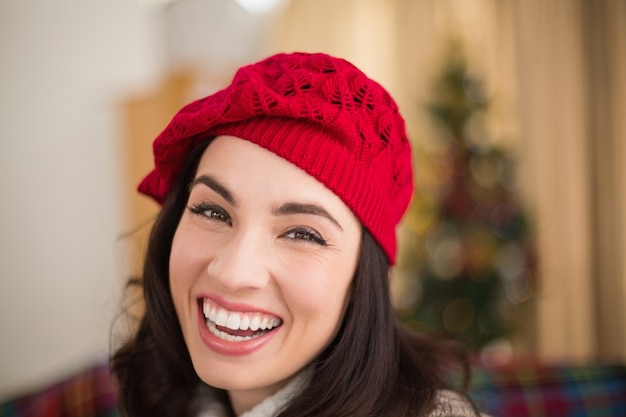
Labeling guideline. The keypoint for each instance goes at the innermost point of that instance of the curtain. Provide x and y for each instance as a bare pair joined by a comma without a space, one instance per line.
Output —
571,59
556,71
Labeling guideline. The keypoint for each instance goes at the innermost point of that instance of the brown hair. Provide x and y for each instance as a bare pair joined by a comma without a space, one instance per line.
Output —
374,366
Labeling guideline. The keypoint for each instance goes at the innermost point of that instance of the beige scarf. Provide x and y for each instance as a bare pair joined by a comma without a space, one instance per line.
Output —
209,406
448,404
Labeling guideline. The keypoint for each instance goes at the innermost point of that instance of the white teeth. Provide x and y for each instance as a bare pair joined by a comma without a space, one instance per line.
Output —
238,320
233,321
226,336
255,323
245,323
264,323
221,318
209,312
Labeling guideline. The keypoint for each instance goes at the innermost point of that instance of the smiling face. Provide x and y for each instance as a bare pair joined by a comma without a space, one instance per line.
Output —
260,269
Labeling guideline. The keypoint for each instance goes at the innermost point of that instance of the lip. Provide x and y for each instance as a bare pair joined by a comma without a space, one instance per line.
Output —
244,308
224,347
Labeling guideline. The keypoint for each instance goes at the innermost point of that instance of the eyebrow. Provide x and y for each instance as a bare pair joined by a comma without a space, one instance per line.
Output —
301,208
216,186
282,210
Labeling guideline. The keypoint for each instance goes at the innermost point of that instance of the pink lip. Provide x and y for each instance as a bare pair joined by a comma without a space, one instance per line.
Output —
224,347
243,308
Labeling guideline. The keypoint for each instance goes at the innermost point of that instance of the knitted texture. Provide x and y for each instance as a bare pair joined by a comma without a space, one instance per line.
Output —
320,113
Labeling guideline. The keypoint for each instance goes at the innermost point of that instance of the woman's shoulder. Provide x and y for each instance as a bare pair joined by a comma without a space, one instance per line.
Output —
452,404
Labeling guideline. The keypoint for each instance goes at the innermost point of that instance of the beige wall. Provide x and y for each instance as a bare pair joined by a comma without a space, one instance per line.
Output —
72,73
64,66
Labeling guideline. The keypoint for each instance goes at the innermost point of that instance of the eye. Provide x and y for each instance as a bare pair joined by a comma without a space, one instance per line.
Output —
210,211
306,234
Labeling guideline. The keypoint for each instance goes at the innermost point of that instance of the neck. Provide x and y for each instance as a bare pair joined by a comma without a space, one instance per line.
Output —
269,400
245,400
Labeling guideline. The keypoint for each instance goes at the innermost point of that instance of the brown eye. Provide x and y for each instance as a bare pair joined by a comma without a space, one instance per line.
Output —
305,234
211,212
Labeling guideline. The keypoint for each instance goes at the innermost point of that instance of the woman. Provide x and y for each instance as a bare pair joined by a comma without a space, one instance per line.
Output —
266,277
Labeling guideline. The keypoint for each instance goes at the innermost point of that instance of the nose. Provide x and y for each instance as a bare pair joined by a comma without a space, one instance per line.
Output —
241,263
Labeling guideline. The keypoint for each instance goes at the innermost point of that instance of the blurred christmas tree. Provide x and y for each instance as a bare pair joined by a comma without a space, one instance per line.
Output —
469,248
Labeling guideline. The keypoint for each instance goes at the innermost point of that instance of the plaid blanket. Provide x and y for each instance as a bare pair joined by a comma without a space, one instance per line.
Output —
519,390
90,393
533,390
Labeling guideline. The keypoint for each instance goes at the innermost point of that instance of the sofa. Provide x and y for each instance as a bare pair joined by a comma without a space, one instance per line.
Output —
513,390
550,390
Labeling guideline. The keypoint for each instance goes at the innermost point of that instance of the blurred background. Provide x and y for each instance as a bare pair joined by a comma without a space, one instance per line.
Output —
515,239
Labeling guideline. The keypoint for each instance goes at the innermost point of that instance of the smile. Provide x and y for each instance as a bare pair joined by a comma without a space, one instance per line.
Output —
235,326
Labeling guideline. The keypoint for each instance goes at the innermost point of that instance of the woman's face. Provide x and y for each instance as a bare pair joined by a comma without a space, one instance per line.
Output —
260,269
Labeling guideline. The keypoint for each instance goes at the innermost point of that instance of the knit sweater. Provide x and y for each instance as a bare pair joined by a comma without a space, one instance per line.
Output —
448,403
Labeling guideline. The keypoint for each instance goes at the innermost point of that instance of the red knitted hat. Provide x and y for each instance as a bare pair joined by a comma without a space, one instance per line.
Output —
318,112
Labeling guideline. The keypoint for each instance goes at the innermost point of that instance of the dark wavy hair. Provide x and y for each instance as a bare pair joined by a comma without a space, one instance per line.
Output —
373,367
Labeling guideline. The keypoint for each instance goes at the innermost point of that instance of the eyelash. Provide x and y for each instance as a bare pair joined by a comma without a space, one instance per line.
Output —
307,235
211,212
216,213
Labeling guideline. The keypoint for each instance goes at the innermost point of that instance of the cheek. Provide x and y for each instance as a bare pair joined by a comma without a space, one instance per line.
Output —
319,295
189,254
185,266
178,276
179,263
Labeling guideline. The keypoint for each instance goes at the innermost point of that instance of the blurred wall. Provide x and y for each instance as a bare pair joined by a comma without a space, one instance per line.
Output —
85,86
64,66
